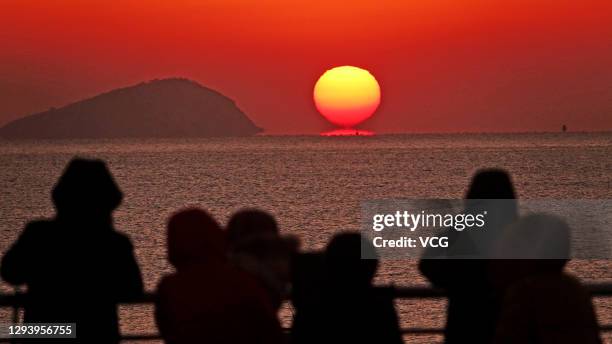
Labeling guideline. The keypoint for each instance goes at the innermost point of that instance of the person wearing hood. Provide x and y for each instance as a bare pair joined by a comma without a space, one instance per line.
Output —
348,308
76,266
463,269
207,299
256,246
542,304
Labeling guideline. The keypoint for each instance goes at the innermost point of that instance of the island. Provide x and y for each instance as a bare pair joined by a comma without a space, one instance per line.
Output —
161,108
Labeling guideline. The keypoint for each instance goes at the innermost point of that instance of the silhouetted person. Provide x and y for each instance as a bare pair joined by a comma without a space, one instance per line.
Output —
348,309
207,299
542,303
473,304
76,266
256,246
307,278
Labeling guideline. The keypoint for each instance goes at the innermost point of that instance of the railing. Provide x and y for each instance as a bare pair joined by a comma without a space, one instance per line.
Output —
16,301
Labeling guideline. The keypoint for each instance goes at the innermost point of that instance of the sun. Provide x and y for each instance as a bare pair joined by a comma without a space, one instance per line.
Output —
346,95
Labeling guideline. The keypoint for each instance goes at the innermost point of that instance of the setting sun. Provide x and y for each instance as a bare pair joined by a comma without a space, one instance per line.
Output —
347,95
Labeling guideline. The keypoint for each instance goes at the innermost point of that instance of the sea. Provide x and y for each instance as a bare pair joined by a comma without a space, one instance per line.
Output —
313,185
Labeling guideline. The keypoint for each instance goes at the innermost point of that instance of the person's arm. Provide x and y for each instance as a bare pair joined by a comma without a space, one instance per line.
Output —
437,265
161,316
128,276
393,332
436,271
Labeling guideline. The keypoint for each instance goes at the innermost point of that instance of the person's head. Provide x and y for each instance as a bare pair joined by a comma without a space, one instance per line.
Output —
86,189
256,232
343,261
535,244
491,191
194,237
491,184
248,225
255,244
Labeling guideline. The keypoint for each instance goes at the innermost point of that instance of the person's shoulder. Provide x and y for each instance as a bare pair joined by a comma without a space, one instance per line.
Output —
38,228
571,280
40,224
164,284
547,289
546,281
37,235
573,285
532,285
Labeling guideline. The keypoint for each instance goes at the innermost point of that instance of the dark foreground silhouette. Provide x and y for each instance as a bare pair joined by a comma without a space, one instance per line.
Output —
208,300
229,284
76,266
473,303
542,304
346,308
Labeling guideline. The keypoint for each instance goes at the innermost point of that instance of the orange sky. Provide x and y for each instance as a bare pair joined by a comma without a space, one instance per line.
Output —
443,65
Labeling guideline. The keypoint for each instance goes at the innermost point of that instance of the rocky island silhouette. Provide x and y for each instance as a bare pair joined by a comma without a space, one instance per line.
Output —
160,108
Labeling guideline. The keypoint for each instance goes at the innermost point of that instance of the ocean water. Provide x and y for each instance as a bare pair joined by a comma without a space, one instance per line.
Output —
313,185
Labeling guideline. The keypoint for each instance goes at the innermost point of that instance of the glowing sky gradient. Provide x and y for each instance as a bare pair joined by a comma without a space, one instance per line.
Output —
444,65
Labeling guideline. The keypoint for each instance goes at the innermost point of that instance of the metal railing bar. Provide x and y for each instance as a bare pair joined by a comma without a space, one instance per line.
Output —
16,301
402,292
